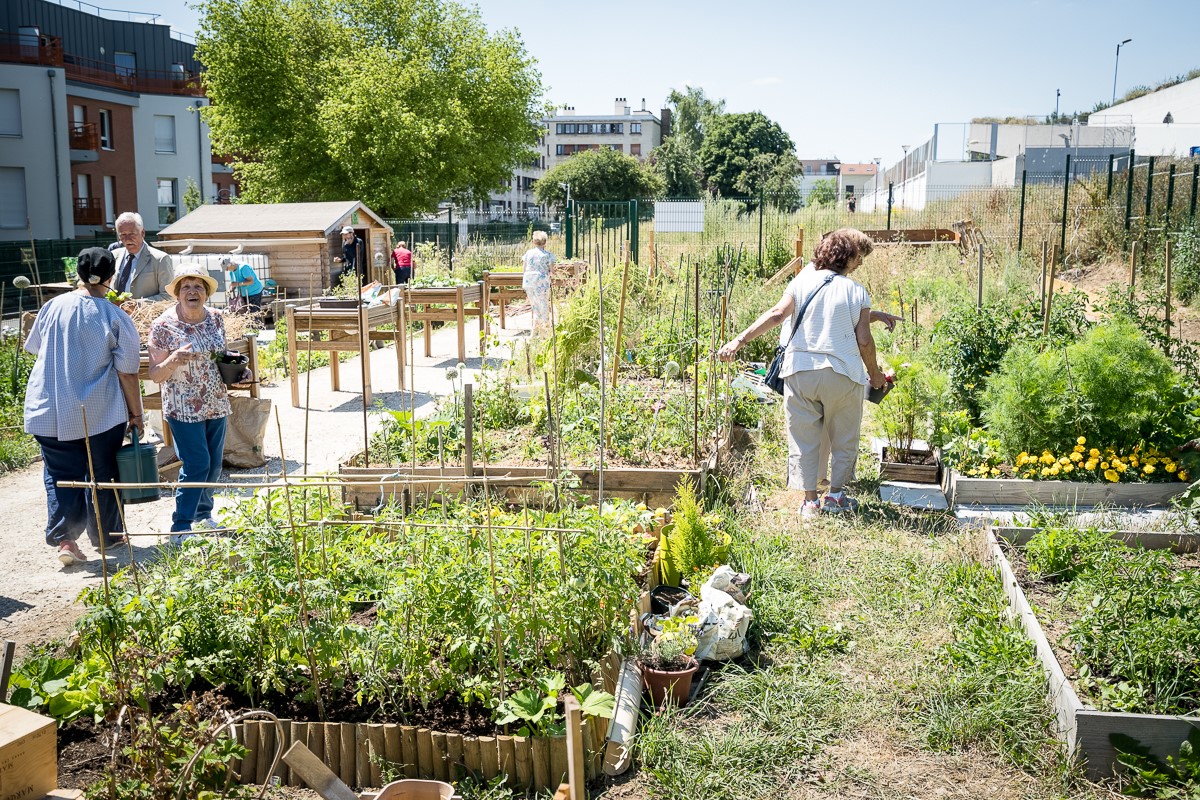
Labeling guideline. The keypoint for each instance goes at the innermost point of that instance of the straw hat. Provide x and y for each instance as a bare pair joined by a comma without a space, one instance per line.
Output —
192,270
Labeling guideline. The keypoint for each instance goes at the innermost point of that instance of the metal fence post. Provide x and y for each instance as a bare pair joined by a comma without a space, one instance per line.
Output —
569,230
1021,222
1170,196
890,196
633,229
760,228
1108,191
450,237
1062,236
1129,195
1149,192
1195,180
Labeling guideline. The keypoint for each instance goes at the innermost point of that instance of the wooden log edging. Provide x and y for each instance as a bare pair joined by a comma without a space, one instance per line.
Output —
1083,731
964,491
355,751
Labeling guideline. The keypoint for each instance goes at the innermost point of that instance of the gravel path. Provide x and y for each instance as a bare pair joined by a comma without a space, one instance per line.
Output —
37,594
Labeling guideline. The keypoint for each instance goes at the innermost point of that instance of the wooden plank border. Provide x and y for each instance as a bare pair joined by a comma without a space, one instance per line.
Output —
1083,731
964,491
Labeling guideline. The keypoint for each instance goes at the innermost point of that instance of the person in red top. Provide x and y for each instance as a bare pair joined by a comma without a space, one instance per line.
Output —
402,263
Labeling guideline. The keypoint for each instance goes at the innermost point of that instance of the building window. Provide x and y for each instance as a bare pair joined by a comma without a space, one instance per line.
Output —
110,199
635,149
168,206
10,112
81,186
620,148
635,127
164,134
126,63
13,210
106,137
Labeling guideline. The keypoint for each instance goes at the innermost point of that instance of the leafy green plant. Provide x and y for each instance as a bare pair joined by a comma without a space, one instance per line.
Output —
1177,778
692,540
672,649
64,688
1061,553
915,406
1111,387
536,708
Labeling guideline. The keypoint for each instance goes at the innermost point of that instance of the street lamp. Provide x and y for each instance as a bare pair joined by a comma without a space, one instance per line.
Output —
566,186
1116,64
904,176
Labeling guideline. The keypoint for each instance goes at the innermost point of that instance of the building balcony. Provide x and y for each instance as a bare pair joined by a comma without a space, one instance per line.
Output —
84,137
88,211
24,48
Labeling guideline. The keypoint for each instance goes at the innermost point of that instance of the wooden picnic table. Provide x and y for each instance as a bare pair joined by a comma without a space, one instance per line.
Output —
428,304
246,346
341,328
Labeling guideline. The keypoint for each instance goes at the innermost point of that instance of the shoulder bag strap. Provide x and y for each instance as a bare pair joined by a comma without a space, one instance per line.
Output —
803,308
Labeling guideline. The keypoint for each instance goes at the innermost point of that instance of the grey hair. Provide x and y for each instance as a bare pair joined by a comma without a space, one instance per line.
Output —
130,216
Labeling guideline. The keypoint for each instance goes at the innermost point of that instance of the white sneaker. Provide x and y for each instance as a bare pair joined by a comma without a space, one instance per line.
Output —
180,537
810,509
206,524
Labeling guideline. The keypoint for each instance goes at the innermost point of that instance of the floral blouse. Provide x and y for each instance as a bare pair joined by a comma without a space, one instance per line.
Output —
194,393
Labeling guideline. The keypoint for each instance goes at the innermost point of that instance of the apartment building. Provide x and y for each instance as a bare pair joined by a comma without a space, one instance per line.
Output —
633,132
97,116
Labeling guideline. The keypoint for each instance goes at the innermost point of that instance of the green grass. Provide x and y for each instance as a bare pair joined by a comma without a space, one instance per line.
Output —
17,449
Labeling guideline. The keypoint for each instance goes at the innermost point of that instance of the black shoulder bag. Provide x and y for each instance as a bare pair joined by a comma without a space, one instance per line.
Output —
773,378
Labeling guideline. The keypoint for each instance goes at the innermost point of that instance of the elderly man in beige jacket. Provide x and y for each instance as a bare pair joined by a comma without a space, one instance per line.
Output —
142,270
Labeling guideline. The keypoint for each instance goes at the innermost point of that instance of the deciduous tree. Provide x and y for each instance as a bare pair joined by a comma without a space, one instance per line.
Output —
732,145
399,103
678,167
603,174
692,114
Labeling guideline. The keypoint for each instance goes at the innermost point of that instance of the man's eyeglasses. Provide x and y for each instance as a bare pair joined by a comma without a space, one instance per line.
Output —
127,236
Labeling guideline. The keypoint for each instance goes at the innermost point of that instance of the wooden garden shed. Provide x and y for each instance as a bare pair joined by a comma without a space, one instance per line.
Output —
300,240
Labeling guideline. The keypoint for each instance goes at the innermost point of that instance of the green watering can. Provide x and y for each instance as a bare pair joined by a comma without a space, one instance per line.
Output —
137,462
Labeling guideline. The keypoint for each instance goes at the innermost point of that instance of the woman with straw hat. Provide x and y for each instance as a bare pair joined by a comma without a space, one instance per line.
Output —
195,404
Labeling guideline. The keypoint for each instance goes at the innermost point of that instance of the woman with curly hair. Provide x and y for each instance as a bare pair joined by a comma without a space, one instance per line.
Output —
828,361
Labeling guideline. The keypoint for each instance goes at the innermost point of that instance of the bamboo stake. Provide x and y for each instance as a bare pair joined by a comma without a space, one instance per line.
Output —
312,661
1042,290
308,374
1049,293
87,444
603,398
1133,256
1167,267
696,370
620,324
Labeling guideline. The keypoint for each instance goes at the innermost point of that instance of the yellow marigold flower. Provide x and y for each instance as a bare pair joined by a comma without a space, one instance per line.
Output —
995,471
1047,458
1151,461
1081,440
1068,468
1055,469
1045,471
1183,475
1170,466
1103,465
1111,474
1064,460
1021,457
1076,457
1094,453
1090,464
1078,448
1120,467
1148,469
1133,462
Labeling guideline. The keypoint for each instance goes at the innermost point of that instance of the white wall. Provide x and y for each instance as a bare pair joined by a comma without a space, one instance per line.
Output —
192,157
1182,101
47,199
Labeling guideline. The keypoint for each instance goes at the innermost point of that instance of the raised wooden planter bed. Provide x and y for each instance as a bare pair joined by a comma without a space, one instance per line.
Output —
654,487
965,491
911,473
352,751
1084,731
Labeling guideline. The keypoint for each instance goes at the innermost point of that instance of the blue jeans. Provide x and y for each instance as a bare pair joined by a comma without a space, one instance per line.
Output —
199,446
72,510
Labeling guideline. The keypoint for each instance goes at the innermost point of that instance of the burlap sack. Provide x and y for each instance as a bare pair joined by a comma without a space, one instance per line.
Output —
244,432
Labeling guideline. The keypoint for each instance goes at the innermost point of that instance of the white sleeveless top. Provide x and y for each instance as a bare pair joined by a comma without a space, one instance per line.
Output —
825,339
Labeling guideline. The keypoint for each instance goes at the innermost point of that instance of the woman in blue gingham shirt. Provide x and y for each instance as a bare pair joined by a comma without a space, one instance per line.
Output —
87,361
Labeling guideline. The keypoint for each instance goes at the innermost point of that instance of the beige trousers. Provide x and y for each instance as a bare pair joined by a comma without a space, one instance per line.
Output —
821,404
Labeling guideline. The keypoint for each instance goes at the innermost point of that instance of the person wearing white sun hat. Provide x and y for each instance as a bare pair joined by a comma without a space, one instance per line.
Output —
195,403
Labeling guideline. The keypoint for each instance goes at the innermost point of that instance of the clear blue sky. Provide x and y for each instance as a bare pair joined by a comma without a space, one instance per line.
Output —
855,80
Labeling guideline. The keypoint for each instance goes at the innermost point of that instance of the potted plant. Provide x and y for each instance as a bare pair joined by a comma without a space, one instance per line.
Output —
668,664
232,366
910,418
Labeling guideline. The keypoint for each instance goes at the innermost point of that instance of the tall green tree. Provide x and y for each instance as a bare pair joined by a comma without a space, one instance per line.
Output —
603,174
823,193
678,167
692,115
731,149
399,103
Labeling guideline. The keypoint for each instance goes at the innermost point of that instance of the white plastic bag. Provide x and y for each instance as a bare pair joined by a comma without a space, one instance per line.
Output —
724,622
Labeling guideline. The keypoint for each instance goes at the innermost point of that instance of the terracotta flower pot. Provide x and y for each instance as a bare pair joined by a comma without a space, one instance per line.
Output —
669,685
